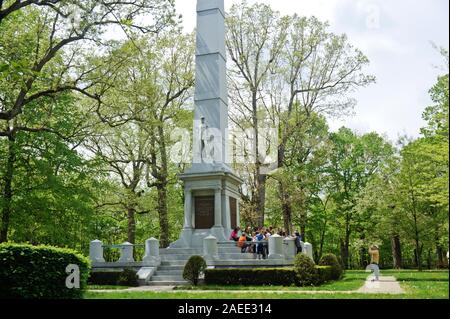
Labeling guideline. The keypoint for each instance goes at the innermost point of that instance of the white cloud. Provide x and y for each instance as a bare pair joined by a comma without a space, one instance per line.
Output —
396,36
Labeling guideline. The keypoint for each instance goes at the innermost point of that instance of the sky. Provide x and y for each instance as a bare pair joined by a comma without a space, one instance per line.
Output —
396,36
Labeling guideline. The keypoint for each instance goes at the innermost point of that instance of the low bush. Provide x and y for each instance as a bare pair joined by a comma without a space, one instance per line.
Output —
39,272
250,276
305,270
332,261
324,274
195,266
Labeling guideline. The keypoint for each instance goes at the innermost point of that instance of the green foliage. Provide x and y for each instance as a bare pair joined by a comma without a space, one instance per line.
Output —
251,276
126,277
324,274
39,272
305,271
267,276
335,267
194,267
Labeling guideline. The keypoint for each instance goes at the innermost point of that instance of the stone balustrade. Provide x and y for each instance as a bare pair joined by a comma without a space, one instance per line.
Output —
151,255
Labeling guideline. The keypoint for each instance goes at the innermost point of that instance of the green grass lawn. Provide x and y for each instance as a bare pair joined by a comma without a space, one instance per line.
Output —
99,287
352,281
417,285
424,285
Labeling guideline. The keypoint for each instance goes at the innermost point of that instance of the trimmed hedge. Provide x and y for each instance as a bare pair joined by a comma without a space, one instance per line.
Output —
127,277
39,272
264,276
324,274
250,276
332,261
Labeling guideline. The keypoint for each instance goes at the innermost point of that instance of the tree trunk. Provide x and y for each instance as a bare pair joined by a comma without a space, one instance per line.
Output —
345,244
429,259
440,256
345,252
162,191
396,252
163,215
8,192
261,200
363,253
418,254
285,208
322,241
260,177
303,214
131,225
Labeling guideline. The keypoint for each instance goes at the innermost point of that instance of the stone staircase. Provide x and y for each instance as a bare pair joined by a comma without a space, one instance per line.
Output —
173,260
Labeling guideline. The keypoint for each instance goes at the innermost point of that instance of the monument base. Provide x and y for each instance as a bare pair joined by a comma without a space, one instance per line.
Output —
193,238
211,206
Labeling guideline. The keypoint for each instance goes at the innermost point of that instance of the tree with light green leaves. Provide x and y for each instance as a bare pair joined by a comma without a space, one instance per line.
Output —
149,92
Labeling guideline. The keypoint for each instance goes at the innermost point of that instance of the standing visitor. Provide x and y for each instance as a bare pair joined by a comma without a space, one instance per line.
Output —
259,245
298,242
374,261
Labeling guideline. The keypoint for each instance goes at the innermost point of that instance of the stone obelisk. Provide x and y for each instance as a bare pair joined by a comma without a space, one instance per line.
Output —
211,196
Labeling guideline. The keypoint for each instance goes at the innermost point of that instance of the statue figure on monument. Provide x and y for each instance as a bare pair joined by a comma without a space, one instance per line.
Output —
207,143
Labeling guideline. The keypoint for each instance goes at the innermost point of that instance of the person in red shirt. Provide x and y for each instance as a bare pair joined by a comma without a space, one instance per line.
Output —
234,234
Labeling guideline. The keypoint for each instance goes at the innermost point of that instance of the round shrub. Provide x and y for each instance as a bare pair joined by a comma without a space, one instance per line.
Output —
39,272
332,261
305,270
193,268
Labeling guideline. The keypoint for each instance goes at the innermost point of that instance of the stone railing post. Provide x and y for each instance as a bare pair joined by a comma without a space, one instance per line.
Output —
290,250
308,250
151,256
275,247
126,253
96,251
210,249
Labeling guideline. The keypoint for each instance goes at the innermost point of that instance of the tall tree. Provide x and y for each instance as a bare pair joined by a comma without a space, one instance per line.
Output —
150,92
314,75
40,60
255,38
353,162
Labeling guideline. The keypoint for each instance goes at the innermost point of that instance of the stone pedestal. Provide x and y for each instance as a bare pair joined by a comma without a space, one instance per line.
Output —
276,247
308,250
207,209
290,250
96,251
210,249
151,256
126,253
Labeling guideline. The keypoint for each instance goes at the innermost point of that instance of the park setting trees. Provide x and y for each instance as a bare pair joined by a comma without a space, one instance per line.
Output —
87,123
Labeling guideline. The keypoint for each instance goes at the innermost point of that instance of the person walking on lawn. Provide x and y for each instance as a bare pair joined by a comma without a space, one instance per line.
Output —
374,252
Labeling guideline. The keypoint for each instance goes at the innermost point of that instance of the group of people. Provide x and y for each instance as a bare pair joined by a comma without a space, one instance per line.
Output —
255,240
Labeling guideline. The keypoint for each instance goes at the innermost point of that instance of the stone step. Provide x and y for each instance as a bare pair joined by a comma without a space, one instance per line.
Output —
173,263
169,272
167,278
189,251
170,268
167,283
226,256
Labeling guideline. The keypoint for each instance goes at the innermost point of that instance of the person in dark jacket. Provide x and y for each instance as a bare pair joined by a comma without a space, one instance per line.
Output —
298,242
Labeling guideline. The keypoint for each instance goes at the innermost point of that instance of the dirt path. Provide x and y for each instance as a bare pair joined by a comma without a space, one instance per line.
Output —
386,285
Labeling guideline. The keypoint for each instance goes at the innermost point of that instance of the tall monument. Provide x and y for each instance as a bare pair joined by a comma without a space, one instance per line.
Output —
211,195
